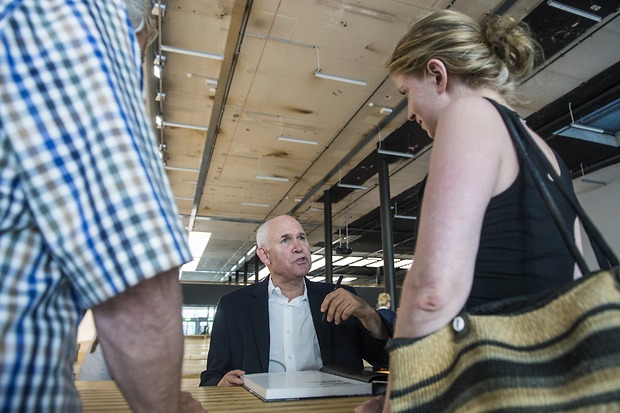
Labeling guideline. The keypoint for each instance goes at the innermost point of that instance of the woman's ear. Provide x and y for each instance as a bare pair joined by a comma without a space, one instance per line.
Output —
437,71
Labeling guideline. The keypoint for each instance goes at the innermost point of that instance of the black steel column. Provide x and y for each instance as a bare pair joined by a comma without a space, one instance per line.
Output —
387,236
246,267
256,265
327,214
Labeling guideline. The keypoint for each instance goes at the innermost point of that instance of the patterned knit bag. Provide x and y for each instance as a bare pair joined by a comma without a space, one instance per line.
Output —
554,353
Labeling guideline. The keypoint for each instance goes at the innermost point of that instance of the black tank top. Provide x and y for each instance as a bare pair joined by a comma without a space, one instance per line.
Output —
521,251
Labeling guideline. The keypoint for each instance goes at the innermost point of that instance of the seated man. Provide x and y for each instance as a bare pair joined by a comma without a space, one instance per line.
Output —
277,324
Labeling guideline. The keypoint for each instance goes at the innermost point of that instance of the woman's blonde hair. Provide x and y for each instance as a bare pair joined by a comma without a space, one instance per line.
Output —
383,300
498,54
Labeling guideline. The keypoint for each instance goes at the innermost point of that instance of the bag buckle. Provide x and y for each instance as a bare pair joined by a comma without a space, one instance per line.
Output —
461,326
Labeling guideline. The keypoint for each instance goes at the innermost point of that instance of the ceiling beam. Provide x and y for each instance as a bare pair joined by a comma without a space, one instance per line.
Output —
239,20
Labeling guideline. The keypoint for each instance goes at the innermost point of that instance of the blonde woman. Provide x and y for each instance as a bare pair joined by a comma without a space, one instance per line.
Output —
485,233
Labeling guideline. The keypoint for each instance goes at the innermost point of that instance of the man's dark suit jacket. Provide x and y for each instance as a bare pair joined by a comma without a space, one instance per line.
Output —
240,334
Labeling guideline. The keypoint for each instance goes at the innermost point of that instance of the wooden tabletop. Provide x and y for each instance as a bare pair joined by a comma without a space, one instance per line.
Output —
104,396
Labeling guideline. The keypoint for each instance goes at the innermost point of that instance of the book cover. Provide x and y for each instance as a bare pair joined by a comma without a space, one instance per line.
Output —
303,384
357,374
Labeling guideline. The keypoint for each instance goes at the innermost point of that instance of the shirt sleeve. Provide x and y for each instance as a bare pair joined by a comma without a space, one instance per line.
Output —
89,169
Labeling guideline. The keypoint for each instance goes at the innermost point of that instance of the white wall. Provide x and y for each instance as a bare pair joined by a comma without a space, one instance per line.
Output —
602,204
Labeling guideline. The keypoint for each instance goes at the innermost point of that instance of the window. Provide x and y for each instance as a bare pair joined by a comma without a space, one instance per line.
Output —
198,320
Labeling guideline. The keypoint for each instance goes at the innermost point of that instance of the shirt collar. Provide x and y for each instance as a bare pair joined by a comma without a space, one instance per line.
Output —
275,291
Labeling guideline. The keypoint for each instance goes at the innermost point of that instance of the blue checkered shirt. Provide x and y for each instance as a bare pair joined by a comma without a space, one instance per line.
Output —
85,207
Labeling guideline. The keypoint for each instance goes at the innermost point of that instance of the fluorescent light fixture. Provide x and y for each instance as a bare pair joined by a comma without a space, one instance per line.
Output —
322,75
315,209
587,128
318,279
255,204
241,261
376,264
251,251
297,140
318,264
191,266
347,280
574,10
386,111
208,80
403,263
159,120
180,169
158,71
188,52
314,257
411,217
347,260
263,273
351,186
365,11
364,262
395,153
593,181
272,178
198,242
234,267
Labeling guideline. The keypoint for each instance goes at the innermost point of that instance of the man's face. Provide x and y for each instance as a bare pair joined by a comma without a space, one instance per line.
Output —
288,256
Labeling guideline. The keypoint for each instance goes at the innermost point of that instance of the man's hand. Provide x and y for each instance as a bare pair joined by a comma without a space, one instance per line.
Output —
232,378
374,405
190,405
342,304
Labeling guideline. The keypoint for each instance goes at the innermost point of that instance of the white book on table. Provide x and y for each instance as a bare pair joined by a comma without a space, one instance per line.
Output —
303,384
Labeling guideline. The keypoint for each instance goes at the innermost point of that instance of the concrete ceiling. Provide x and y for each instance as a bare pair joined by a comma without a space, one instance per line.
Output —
216,138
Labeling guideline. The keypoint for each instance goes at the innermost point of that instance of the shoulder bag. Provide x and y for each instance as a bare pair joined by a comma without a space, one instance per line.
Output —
556,353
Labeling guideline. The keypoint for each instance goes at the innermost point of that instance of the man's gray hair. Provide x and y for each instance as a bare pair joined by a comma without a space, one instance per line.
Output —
262,236
139,12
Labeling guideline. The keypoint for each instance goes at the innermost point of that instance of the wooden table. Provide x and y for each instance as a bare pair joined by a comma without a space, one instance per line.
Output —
104,396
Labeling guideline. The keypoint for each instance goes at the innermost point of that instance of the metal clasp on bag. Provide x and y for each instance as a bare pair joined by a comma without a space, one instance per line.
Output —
461,326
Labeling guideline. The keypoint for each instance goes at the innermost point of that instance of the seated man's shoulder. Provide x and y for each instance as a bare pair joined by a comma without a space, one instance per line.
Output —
237,294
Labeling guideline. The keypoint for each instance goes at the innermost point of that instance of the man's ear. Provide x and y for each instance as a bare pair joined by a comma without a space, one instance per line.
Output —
437,70
263,255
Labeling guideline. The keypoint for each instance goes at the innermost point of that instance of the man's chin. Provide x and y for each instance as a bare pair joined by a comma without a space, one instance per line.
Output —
303,271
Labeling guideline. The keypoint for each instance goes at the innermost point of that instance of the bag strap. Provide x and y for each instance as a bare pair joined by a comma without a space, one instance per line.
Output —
527,148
